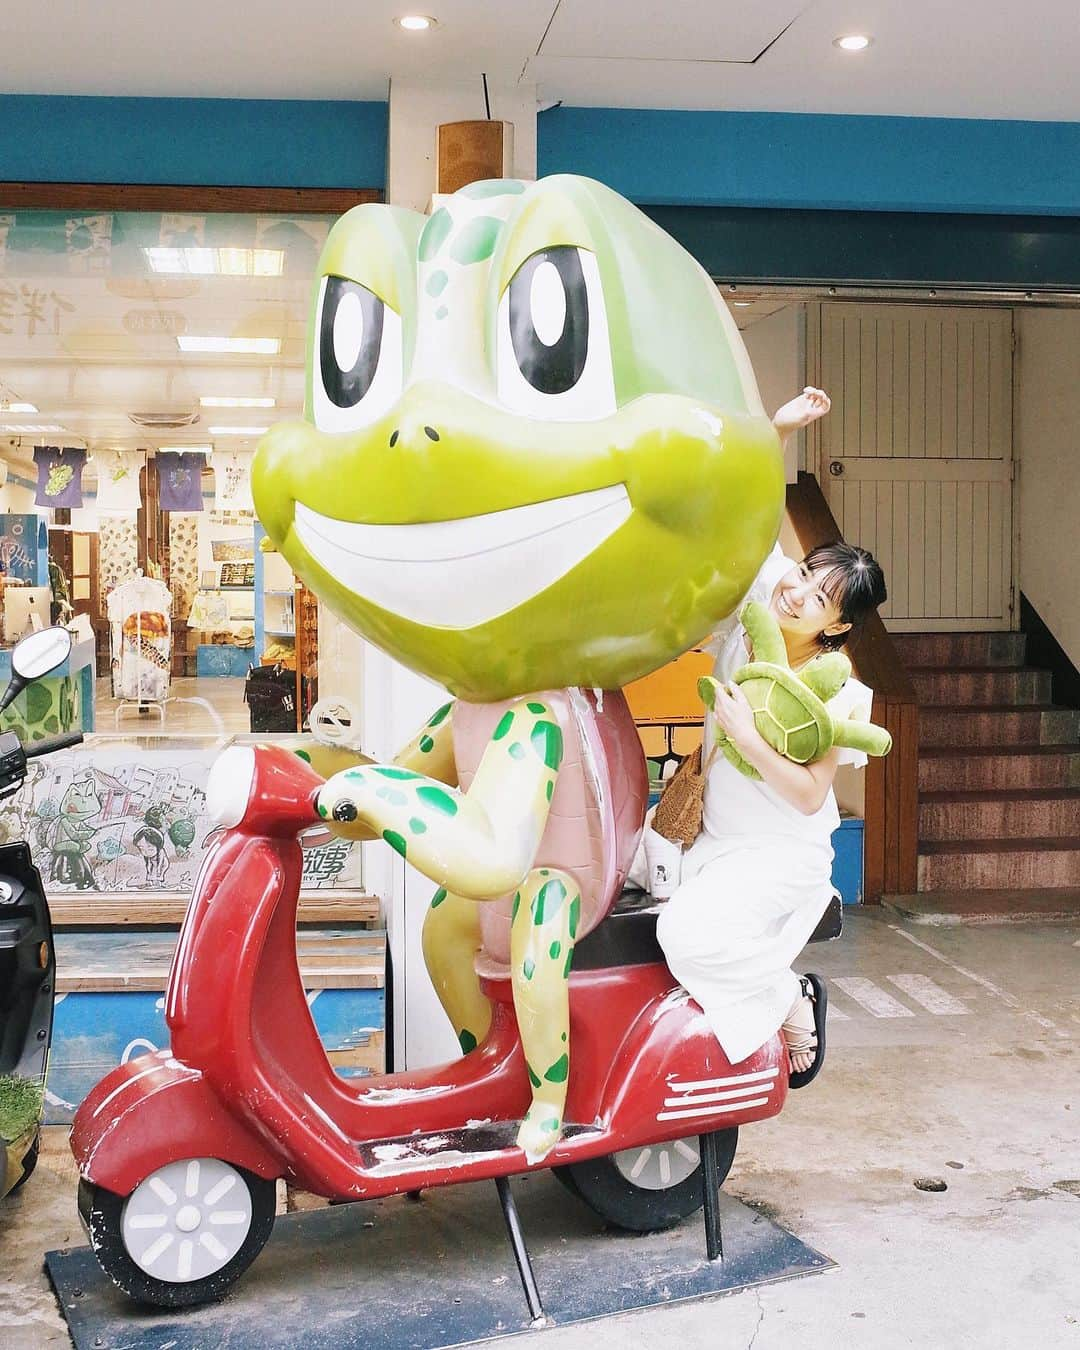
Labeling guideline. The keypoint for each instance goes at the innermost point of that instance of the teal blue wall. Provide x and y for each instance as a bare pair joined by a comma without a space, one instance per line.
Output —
818,162
225,142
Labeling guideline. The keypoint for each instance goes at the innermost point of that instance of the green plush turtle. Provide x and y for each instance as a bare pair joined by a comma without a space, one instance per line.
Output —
789,708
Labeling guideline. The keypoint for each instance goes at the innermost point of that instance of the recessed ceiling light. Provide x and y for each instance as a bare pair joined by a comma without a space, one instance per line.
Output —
253,346
208,402
185,449
415,23
237,431
18,408
742,304
24,429
853,42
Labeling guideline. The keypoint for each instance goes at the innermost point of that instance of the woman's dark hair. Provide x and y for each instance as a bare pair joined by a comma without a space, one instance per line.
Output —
155,837
853,581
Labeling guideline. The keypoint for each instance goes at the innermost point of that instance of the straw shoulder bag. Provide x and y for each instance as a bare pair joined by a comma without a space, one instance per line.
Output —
678,813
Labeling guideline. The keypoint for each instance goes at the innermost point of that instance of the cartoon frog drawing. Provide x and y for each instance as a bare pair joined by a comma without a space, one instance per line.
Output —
69,838
534,466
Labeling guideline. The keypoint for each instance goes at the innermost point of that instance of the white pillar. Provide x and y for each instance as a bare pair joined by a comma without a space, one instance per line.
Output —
394,700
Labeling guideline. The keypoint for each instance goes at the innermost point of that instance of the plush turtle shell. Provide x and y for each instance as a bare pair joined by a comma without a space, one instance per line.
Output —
789,707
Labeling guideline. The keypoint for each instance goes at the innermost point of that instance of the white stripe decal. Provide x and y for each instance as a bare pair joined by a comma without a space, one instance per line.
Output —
705,1083
694,1099
713,1110
834,1014
868,995
932,997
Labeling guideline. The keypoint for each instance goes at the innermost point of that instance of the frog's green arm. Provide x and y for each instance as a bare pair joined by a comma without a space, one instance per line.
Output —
864,736
478,844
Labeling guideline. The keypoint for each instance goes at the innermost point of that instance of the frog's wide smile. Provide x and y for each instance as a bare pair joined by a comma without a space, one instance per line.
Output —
464,572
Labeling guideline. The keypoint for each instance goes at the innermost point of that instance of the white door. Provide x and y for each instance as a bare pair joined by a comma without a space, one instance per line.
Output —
916,460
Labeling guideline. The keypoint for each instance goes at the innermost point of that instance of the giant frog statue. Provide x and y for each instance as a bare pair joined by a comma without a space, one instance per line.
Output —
534,466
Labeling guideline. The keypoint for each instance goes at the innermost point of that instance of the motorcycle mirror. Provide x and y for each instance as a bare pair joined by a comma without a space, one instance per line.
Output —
36,655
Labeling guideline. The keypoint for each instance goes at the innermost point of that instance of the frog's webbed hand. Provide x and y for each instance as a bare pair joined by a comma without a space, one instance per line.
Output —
479,844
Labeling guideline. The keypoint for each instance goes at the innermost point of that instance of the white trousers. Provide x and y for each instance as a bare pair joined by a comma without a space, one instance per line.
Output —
745,909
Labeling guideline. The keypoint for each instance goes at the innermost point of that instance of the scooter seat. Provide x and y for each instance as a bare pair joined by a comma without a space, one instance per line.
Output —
627,937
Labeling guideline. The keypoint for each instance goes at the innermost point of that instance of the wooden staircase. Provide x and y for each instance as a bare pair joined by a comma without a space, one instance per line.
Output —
999,779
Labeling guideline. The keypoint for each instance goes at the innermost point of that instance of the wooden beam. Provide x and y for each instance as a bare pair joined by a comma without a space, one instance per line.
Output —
193,198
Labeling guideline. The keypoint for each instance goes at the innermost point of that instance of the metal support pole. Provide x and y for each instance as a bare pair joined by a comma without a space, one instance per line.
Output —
521,1252
710,1182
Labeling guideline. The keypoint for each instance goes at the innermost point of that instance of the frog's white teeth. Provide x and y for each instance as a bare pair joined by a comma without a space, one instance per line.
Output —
464,572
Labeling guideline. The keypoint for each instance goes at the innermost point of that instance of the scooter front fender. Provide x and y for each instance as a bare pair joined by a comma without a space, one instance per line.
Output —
153,1111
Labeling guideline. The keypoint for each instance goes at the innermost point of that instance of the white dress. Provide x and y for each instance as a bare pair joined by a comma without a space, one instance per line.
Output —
758,878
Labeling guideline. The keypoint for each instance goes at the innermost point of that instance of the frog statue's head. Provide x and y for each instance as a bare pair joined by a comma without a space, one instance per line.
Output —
533,453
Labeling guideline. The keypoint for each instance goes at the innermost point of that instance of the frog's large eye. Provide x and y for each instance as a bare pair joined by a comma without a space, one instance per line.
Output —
553,356
356,373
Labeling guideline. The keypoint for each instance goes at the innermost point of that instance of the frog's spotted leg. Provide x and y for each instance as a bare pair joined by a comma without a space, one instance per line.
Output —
546,913
479,844
451,939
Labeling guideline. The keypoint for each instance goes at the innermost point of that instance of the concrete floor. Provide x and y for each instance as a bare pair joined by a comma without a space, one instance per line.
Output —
969,1072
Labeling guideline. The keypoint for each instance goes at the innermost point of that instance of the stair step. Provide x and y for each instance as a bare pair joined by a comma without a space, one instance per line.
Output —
953,686
963,649
1000,814
988,724
958,768
1055,904
973,864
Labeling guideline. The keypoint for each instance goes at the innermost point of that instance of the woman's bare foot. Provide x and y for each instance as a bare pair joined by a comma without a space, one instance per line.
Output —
801,411
800,1034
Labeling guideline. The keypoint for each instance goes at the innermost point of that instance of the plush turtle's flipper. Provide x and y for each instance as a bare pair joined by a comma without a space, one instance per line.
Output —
764,633
864,736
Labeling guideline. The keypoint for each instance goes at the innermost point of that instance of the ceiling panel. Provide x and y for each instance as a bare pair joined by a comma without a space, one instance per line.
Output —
658,30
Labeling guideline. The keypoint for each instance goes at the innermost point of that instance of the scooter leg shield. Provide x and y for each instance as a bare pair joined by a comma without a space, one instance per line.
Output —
153,1111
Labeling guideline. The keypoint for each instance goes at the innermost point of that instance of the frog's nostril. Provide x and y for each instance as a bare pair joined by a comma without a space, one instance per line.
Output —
431,433
393,438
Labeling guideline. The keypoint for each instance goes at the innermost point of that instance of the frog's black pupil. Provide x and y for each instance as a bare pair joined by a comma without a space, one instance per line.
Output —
345,388
556,368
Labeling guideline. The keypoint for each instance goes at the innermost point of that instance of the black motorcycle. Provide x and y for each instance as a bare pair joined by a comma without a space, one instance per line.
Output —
27,956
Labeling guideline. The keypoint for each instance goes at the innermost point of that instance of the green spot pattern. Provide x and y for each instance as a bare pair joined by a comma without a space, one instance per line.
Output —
554,950
551,1124
536,707
434,235
426,744
467,1041
440,715
548,900
549,788
528,968
395,840
532,1077
506,721
546,740
436,283
516,751
303,754
493,187
517,906
568,963
558,1071
441,312
473,242
575,915
392,772
417,825
438,897
438,799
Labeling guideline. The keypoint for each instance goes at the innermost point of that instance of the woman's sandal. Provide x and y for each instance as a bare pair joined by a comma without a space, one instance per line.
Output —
798,1038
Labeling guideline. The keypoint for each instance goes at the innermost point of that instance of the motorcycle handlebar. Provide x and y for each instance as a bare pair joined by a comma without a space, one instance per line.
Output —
51,743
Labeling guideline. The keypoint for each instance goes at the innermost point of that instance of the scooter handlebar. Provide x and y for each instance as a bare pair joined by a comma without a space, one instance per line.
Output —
51,743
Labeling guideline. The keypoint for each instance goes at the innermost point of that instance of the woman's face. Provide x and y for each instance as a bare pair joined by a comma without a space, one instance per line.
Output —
801,607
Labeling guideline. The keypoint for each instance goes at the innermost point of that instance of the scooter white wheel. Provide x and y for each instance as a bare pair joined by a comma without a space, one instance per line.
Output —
185,1233
649,1187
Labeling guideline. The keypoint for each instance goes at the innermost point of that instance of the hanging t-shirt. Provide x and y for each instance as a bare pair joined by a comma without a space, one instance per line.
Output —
59,476
232,480
118,481
180,481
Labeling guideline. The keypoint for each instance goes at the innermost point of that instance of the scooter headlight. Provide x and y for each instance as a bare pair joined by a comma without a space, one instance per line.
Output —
228,786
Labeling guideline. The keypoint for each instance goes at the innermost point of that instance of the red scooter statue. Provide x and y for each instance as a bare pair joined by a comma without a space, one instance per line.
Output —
179,1150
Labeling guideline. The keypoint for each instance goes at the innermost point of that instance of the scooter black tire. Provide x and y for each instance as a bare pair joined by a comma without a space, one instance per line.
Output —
102,1215
604,1187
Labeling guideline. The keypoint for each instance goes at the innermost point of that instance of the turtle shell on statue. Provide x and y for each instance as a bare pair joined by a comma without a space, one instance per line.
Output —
789,707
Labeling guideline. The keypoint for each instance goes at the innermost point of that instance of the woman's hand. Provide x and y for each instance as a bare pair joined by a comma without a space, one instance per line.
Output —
735,716
801,411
